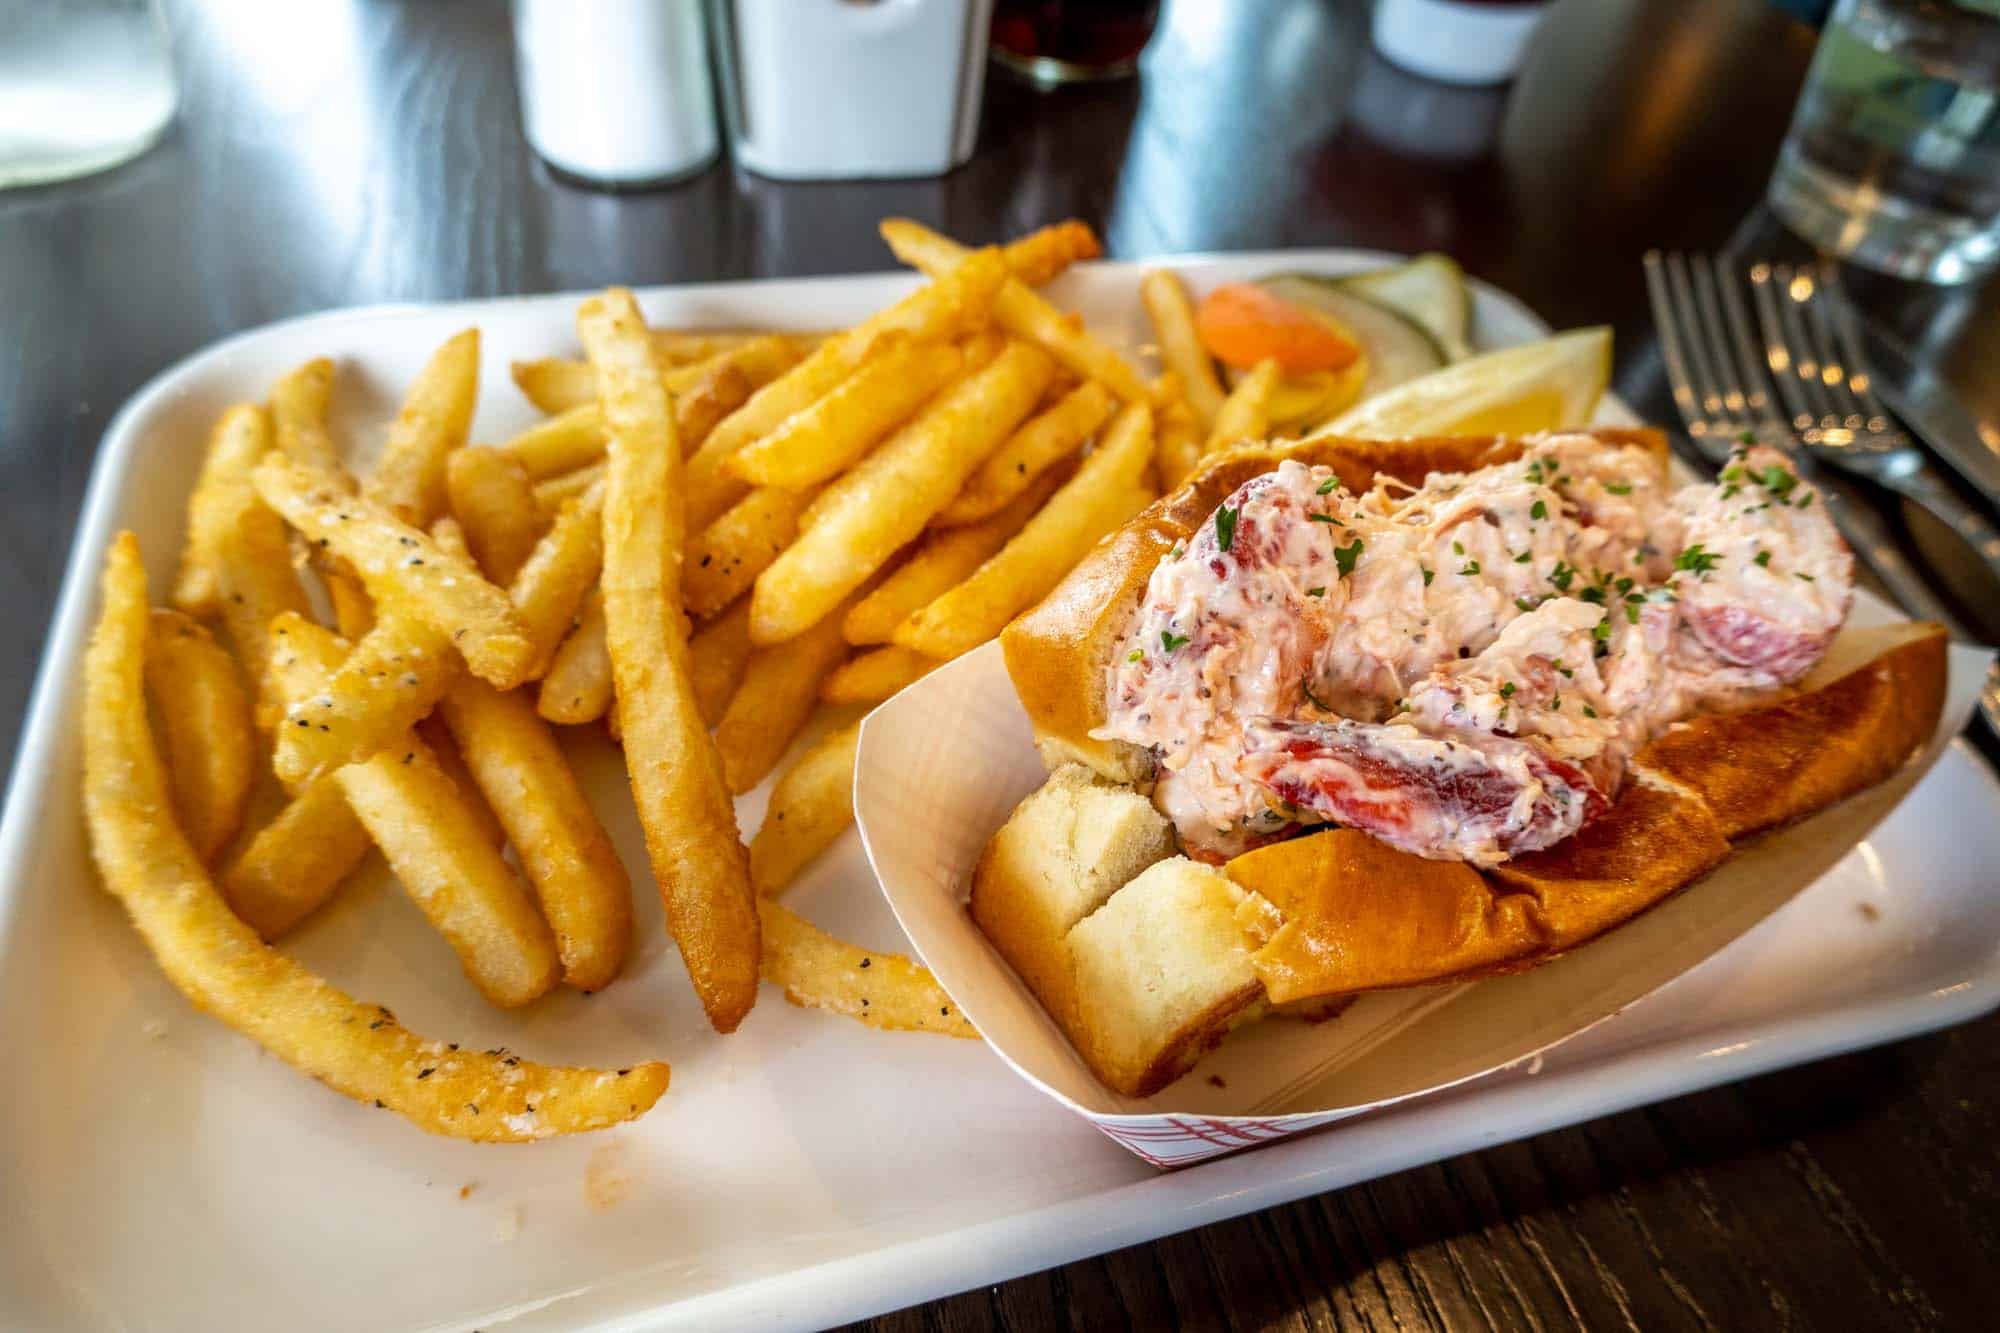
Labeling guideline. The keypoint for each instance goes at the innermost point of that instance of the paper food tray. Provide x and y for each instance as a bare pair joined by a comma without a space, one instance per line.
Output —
942,765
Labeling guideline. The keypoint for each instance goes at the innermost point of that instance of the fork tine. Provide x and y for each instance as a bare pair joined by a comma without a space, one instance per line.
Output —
1848,334
1777,348
1667,325
1806,364
1833,370
1707,382
1702,271
1759,404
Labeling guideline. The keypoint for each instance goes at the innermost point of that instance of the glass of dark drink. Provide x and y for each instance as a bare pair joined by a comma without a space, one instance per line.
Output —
1051,42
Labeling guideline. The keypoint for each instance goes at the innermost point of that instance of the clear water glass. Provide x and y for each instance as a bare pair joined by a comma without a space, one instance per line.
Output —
1893,159
84,86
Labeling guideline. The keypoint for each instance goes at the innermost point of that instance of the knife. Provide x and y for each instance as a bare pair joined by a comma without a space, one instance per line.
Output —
1927,407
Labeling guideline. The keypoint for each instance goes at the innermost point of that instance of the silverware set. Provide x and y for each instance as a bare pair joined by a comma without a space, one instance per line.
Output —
1796,380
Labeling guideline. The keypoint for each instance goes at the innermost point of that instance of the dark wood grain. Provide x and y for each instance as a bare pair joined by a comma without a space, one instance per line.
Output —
341,153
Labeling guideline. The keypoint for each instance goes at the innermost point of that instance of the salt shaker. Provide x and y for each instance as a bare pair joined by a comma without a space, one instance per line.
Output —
617,92
1472,42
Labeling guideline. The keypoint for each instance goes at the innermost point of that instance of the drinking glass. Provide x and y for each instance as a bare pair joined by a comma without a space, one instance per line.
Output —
1893,158
84,86
1053,42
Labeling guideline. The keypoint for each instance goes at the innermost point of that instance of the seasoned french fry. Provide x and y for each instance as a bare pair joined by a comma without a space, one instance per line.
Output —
555,385
1177,443
717,655
862,519
680,347
883,990
219,964
941,561
353,608
293,864
1167,305
779,688
577,687
299,402
565,453
222,489
1041,256
689,821
493,500
1046,438
437,737
561,443
390,682
811,803
562,568
729,554
1108,489
254,575
957,303
409,478
206,728
551,495
823,440
1021,311
401,563
556,835
869,678
1245,414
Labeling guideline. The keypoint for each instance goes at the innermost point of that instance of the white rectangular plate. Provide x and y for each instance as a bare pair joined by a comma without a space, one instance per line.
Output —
159,1172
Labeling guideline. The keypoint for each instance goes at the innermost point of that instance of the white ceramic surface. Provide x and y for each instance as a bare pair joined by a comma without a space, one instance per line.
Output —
157,1171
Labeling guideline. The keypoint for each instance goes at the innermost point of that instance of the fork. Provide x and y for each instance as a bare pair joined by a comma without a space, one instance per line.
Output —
1723,396
1813,349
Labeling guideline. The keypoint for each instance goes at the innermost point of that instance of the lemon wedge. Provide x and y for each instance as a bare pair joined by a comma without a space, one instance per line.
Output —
1553,384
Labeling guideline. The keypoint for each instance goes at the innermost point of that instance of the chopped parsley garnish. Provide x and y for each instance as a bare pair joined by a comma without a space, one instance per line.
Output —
1624,586
1602,633
1632,612
1746,438
1763,560
1807,577
1316,592
1618,487
1326,518
1507,690
1136,655
1524,557
1566,672
1305,686
1697,561
1561,575
1804,500
1539,510
1457,549
1777,480
1588,711
1593,595
1345,556
1327,487
1428,575
1471,567
1225,527
1729,492
1524,604
1170,640
1556,703
1535,472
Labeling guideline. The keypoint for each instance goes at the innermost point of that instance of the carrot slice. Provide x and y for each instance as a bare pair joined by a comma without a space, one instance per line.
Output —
1241,324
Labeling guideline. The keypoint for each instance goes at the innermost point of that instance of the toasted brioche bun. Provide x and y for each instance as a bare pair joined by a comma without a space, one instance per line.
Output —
1128,947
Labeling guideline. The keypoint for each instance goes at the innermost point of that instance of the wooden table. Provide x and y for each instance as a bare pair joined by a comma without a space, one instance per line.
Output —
337,154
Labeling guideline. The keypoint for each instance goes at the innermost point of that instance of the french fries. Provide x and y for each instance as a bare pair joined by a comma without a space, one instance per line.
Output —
571,441
1046,439
206,726
717,654
957,303
241,436
1041,256
550,587
869,678
437,737
399,562
731,552
1246,413
409,477
555,385
1021,311
577,688
811,803
1167,305
1109,488
1177,443
295,863
220,965
861,520
690,824
389,683
255,580
556,835
780,684
493,500
824,439
941,561
299,403
883,990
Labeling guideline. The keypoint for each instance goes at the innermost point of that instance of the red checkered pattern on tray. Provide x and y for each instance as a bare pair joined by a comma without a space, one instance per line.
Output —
1181,1140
